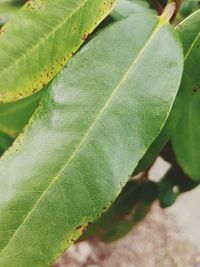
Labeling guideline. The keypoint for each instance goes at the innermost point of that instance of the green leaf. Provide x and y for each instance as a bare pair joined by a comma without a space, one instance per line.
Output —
14,116
7,10
122,10
12,2
5,142
152,153
94,123
130,207
186,140
125,8
45,35
172,185
186,135
188,7
189,34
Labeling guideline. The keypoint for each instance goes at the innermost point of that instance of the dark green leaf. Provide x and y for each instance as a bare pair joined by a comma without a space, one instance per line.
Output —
186,140
94,123
188,7
14,116
130,207
174,183
186,135
5,142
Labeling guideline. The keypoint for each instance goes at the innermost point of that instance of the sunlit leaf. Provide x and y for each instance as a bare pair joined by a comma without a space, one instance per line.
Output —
40,39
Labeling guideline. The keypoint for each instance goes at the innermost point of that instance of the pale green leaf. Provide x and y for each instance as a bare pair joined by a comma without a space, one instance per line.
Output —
7,10
125,8
40,39
14,116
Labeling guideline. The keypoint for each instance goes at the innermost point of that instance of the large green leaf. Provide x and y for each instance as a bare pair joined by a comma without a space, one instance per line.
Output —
91,128
189,34
40,39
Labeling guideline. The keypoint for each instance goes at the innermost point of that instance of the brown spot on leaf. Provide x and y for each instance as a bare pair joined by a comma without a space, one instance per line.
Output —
85,36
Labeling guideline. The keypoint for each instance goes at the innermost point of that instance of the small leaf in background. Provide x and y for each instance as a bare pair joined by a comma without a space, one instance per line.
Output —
5,142
172,185
6,12
125,8
130,207
8,8
14,116
45,35
95,122
188,7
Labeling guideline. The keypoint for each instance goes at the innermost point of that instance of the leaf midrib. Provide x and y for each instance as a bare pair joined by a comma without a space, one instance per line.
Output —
155,31
42,40
192,46
195,39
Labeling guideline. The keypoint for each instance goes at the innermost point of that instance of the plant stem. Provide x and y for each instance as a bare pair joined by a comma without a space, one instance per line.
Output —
178,4
168,11
157,6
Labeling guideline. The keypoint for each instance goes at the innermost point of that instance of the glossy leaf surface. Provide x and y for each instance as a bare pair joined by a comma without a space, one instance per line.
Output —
189,34
40,39
91,128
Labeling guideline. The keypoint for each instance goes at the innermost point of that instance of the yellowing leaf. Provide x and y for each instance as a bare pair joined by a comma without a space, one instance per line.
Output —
40,39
